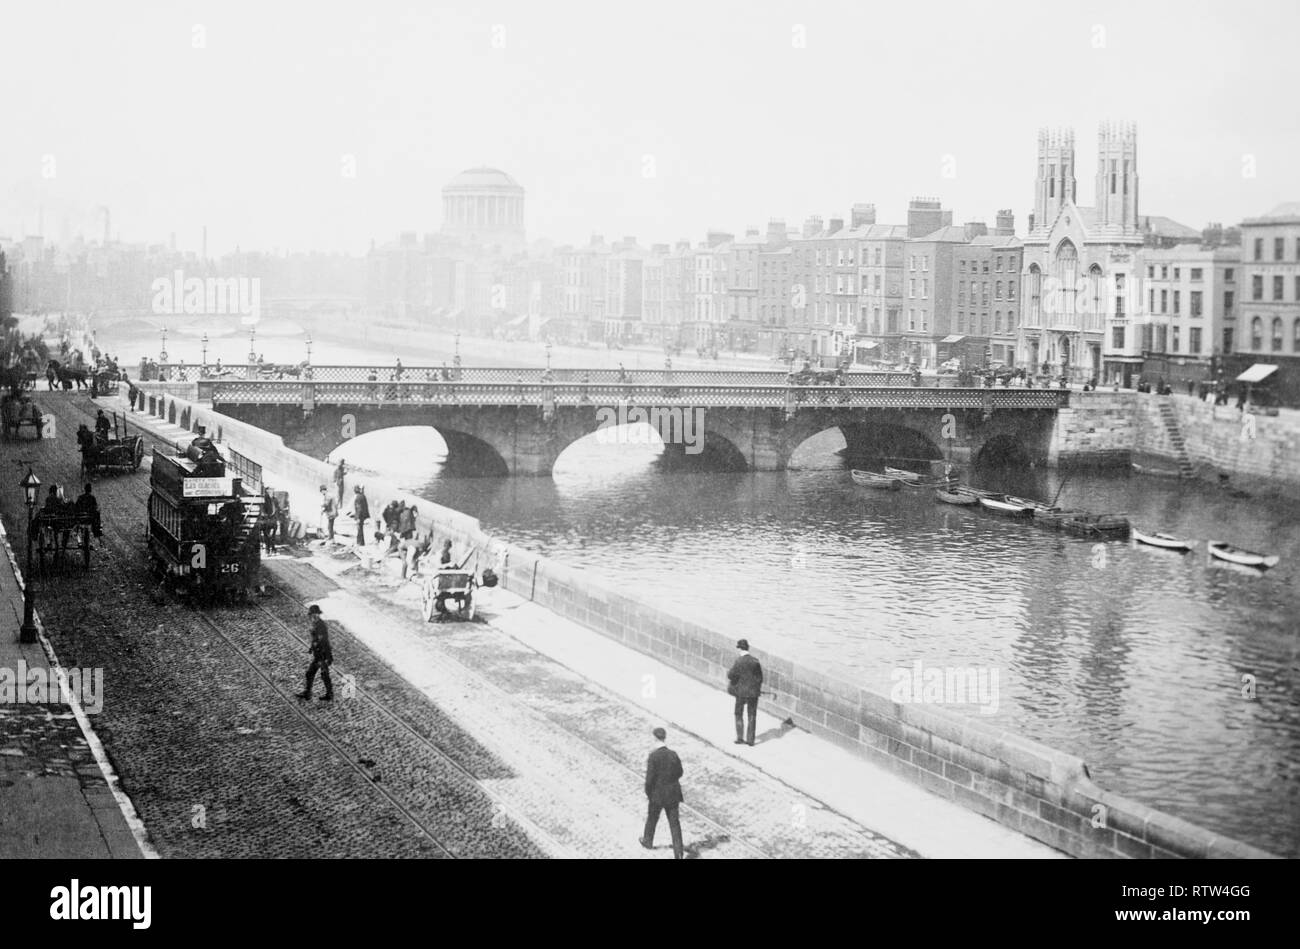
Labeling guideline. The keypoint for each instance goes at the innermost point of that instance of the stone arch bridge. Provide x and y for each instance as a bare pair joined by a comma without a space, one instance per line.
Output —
522,428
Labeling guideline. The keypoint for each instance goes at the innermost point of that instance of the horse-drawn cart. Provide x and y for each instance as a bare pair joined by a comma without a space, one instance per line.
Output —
51,533
17,411
449,583
102,452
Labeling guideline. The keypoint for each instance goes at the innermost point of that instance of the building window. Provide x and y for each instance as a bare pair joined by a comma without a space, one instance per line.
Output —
986,266
1259,248
1297,289
999,265
961,266
1011,321
1177,295
911,289
1195,299
1278,283
997,290
1162,339
1196,273
925,262
1177,273
911,262
1257,287
1151,300
1117,337
1227,303
1279,248
911,319
961,293
1295,337
1227,275
1177,334
1151,272
1256,334
1277,334
997,322
925,289
1164,273
1011,290
1164,301
1194,341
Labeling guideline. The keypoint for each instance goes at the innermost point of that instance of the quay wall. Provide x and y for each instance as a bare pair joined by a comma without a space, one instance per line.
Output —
1040,792
1260,453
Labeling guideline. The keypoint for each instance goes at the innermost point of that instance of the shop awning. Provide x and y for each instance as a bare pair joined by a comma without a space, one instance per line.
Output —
872,345
517,320
1257,373
952,339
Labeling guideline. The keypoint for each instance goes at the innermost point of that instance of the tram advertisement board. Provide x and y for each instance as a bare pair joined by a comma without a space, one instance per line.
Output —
206,488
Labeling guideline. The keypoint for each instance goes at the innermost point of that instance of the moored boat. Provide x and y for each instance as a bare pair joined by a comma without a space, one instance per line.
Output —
902,474
1155,472
1115,526
1163,541
1247,558
955,495
872,479
1001,504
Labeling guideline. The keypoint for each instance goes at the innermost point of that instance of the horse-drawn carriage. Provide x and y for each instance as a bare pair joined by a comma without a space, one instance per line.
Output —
107,381
65,376
807,376
103,452
17,411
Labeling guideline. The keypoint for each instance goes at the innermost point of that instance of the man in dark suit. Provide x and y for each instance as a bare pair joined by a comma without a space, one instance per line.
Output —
745,682
663,771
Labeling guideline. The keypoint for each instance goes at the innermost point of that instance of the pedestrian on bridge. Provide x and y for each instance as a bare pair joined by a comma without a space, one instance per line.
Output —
321,655
663,791
745,683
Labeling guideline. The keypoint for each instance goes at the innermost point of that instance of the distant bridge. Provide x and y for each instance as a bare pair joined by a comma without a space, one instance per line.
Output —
521,427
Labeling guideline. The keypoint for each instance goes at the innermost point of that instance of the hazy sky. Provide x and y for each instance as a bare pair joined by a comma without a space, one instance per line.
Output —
240,115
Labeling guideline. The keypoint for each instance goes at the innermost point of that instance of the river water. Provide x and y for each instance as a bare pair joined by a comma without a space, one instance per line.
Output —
1176,678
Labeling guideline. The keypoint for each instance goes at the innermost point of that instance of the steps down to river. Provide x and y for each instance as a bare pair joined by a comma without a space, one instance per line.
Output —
1185,466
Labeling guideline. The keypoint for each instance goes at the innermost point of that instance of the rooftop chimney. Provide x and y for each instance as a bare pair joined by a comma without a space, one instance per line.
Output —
812,226
1006,224
862,214
925,216
976,229
837,225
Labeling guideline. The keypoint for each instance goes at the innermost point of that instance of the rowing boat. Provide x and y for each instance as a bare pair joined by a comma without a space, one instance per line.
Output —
1001,504
1247,558
1164,541
871,479
1097,525
956,496
902,474
926,484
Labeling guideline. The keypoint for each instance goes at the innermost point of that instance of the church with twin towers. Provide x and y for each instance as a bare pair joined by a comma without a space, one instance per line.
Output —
1093,250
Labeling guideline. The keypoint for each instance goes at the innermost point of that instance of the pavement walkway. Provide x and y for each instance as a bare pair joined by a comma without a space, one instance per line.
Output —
58,794
571,712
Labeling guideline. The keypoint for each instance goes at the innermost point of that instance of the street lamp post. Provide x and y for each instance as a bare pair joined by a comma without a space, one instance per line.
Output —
204,341
457,342
548,354
252,345
162,355
309,349
31,485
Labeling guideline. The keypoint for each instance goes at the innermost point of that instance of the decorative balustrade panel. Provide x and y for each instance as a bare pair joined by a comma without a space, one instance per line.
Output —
593,393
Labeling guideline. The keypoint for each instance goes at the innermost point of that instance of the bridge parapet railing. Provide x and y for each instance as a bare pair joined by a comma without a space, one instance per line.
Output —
535,393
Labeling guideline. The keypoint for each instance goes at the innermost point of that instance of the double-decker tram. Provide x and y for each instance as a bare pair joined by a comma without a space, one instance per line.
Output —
203,525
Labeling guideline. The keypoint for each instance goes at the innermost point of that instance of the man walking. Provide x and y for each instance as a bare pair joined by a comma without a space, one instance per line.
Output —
321,655
745,682
339,473
328,511
663,791
361,511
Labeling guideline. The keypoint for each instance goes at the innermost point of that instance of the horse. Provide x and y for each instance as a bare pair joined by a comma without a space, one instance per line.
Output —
66,376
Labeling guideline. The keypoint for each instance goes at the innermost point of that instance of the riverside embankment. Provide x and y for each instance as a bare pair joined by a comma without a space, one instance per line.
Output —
1024,785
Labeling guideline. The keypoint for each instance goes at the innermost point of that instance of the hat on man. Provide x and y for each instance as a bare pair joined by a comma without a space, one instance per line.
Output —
660,734
743,644
313,610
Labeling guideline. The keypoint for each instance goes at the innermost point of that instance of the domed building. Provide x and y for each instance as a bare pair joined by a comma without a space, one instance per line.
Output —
484,206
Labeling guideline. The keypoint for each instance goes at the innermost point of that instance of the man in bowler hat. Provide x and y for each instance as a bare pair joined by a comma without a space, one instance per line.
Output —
663,771
321,655
745,682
